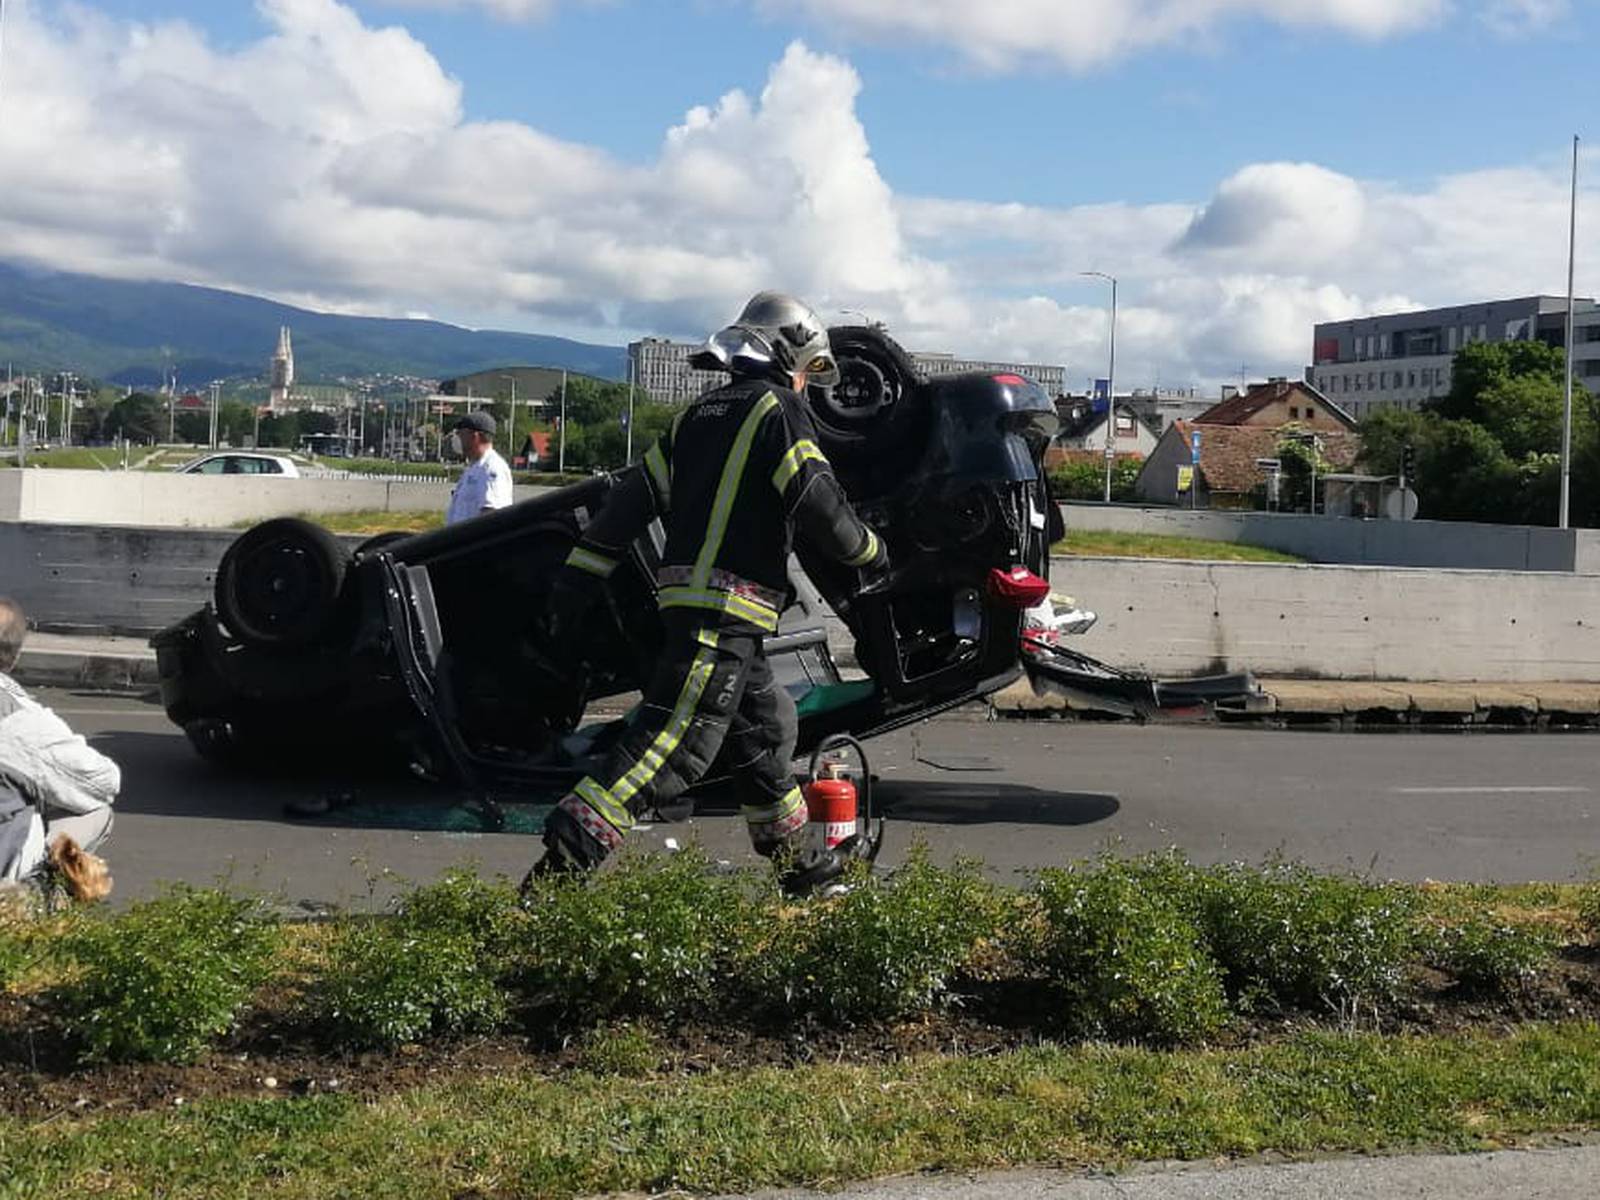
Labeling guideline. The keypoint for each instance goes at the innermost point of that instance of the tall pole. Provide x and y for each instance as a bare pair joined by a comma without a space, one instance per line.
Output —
633,372
511,429
216,389
561,459
1566,406
1111,383
67,379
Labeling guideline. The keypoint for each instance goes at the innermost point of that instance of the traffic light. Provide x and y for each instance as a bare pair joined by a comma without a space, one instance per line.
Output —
1408,462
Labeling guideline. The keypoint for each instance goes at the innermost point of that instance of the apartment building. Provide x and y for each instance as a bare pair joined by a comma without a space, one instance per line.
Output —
1404,359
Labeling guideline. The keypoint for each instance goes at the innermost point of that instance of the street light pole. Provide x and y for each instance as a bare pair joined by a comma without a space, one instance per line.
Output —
67,381
632,374
561,459
1111,382
511,431
1566,406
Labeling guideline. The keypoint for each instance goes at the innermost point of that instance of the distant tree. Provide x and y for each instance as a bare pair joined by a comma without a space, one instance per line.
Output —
1302,460
1085,478
280,430
596,436
235,422
1490,449
138,417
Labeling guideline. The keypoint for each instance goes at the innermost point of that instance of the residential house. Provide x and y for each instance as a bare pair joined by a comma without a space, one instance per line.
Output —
1235,435
1084,428
1277,403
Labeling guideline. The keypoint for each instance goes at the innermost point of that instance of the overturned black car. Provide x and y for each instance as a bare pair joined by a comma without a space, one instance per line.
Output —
428,650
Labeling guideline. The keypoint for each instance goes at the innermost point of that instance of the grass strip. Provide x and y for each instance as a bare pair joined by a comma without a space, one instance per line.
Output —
582,1134
367,521
1098,543
75,458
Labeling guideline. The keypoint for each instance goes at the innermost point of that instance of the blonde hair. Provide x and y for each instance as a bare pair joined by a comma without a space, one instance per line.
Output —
85,876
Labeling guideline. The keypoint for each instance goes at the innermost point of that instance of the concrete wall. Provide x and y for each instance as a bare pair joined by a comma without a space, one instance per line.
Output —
159,498
1453,544
1337,622
1170,618
125,580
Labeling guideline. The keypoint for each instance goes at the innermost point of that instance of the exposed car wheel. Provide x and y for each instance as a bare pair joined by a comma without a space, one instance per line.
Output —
279,583
872,413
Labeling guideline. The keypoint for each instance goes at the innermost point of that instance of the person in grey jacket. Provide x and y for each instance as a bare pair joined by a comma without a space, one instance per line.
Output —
52,782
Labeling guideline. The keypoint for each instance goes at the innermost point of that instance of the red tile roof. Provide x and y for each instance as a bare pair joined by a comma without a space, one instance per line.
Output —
1228,453
1239,409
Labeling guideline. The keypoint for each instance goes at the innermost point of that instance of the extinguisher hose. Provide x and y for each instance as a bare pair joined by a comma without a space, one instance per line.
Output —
871,840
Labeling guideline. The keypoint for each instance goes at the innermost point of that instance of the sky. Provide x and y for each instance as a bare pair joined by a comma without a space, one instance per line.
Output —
604,169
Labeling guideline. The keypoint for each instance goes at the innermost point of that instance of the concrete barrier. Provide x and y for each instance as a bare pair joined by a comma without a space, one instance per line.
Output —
165,499
1337,622
1169,618
108,578
1449,544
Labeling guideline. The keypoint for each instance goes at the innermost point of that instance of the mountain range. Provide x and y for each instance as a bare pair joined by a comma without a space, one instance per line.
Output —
127,332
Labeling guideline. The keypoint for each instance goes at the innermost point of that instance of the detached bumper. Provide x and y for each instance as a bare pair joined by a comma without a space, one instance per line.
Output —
1054,669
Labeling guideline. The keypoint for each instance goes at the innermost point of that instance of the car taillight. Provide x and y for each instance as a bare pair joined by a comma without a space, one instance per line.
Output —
1017,586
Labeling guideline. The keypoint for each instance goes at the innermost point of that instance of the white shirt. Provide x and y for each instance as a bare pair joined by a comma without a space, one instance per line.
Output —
484,484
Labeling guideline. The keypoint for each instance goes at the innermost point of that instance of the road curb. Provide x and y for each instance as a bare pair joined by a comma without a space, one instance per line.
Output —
1349,703
94,670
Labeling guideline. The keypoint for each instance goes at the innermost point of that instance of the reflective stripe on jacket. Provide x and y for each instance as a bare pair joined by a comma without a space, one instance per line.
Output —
733,478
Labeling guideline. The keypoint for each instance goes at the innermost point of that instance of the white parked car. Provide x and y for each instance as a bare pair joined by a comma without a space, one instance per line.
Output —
234,462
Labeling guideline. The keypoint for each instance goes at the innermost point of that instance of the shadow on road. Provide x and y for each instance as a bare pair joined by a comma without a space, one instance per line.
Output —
162,776
987,802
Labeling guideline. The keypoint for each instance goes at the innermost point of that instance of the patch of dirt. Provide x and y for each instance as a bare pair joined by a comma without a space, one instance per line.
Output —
270,1056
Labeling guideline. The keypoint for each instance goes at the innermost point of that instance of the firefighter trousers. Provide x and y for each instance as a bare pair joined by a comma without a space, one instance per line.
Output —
712,691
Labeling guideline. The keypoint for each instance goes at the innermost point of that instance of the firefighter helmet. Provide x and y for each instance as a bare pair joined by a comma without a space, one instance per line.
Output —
775,332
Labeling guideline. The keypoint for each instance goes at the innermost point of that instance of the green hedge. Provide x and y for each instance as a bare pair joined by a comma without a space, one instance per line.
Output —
1151,949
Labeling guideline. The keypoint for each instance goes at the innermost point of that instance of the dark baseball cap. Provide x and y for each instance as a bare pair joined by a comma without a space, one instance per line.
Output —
480,421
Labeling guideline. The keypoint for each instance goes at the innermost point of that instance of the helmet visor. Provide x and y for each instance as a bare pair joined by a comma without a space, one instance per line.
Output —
822,370
738,345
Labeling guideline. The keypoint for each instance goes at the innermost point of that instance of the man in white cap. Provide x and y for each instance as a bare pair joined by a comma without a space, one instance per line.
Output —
486,483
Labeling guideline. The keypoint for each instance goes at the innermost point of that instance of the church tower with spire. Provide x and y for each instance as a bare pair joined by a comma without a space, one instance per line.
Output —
282,374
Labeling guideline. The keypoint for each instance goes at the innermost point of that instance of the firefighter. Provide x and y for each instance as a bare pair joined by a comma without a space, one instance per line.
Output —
733,480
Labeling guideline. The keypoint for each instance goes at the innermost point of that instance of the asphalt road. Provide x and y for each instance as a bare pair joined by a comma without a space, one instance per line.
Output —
1018,795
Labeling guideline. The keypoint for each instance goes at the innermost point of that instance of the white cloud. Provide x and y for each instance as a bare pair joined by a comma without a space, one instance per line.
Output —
1515,17
1082,34
329,162
505,10
1085,33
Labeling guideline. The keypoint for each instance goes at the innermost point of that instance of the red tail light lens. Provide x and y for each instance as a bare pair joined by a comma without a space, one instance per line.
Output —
1018,587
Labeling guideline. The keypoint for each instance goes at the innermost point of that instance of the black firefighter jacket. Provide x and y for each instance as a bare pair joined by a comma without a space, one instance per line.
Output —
733,479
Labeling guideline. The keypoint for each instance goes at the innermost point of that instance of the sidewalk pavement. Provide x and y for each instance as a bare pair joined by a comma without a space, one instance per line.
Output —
1565,1173
129,664
95,662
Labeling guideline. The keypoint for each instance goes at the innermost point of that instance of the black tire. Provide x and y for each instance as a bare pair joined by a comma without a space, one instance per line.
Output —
278,585
874,413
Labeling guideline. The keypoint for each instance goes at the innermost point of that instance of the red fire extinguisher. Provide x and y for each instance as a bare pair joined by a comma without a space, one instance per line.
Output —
831,802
